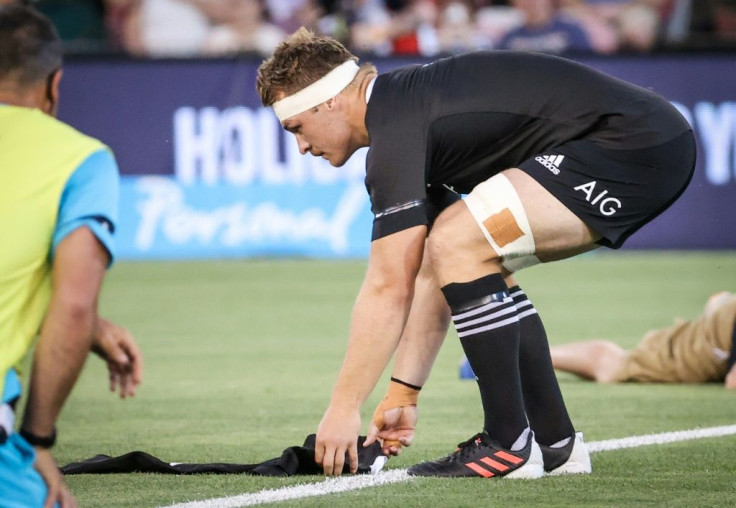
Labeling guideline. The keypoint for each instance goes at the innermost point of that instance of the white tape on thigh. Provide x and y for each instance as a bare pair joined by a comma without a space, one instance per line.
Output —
490,203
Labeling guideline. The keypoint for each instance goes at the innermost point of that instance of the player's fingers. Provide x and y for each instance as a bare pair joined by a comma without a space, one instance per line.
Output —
325,456
328,462
339,461
67,500
137,372
135,357
112,376
407,440
132,384
109,345
126,386
353,457
319,453
116,355
372,435
391,447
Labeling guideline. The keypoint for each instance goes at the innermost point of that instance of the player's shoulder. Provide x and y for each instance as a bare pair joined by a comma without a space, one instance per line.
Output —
66,131
55,132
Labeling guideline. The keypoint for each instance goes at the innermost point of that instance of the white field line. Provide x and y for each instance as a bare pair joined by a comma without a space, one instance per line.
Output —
344,484
329,486
663,438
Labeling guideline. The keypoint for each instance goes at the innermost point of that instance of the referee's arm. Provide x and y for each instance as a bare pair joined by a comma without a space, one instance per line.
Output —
66,335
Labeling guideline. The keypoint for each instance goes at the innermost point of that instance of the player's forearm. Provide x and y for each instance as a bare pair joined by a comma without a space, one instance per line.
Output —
377,322
415,357
423,334
62,348
380,313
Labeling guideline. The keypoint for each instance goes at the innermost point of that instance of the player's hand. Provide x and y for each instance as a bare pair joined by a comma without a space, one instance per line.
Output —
395,418
337,435
117,347
393,427
57,490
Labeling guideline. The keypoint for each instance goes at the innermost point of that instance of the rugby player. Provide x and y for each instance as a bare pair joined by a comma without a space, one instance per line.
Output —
699,350
479,165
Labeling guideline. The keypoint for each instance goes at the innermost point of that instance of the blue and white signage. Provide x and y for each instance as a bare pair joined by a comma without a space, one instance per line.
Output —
208,172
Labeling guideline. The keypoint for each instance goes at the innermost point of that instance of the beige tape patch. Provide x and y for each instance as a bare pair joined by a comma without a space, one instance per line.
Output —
499,213
503,228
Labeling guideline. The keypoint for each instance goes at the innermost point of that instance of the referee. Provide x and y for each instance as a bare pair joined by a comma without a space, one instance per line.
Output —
58,208
479,165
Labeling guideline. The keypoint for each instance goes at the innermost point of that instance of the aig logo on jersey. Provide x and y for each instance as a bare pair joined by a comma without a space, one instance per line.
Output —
607,205
551,162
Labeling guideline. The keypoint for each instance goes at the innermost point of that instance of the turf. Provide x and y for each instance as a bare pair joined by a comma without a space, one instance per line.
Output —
241,357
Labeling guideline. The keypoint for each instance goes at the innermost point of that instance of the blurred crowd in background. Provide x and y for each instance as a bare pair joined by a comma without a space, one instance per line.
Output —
197,28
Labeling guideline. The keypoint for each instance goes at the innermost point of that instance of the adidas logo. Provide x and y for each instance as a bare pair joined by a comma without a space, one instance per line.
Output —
551,162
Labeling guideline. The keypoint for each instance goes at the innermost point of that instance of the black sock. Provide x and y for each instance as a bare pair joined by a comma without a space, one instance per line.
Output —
485,319
543,400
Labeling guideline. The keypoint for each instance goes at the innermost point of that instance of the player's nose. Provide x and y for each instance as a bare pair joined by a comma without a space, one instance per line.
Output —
304,145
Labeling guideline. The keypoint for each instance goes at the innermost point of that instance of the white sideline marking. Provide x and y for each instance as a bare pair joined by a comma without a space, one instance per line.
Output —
663,438
344,484
329,486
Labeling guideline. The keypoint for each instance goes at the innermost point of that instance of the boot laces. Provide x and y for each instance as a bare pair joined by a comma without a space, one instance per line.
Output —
467,447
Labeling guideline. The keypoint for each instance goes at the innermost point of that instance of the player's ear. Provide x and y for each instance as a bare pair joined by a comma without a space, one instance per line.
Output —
52,92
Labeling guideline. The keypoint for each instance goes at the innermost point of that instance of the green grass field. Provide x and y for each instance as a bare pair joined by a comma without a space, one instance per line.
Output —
241,356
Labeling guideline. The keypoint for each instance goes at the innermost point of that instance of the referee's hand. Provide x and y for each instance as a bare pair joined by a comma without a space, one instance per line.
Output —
57,490
124,359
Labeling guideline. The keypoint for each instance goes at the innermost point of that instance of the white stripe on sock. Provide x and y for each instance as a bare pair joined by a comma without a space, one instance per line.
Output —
484,319
493,326
526,313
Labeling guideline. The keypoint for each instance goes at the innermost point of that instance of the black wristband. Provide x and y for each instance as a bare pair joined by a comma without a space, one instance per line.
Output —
40,441
408,385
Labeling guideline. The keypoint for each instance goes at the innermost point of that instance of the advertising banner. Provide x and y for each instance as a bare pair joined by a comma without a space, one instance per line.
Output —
207,172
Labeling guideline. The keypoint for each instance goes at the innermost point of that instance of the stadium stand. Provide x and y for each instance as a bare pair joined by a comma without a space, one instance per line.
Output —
185,28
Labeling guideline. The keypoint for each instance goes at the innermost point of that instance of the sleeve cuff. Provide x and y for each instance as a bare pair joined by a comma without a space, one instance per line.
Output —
389,223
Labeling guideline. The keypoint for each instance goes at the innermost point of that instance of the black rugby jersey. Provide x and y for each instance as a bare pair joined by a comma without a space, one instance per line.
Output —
460,120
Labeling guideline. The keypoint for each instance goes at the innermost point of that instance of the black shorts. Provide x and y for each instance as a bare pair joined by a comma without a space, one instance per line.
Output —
615,192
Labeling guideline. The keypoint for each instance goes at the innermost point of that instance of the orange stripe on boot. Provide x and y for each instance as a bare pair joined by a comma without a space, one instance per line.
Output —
508,457
481,471
494,464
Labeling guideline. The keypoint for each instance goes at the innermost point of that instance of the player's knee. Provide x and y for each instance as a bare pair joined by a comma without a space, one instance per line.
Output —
448,248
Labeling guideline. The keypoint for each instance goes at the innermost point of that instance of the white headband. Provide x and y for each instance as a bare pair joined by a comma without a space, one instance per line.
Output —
323,89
